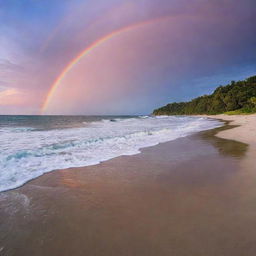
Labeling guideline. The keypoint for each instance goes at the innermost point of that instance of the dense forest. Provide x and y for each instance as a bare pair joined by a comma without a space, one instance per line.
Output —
236,97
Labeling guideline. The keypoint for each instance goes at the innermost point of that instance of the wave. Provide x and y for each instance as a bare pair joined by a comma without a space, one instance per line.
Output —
29,153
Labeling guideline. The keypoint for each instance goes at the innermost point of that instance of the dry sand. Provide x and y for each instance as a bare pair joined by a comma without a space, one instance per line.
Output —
245,132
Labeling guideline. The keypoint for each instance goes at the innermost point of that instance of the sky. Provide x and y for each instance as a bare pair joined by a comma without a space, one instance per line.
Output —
98,57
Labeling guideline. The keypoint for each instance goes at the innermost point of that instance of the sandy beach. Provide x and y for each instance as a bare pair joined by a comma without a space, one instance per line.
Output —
191,196
245,132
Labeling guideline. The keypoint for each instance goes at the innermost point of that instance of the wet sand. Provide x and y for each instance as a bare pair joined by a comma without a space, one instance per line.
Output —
245,130
194,196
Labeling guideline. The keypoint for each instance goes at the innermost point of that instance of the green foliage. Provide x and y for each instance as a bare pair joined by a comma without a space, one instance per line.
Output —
253,100
237,96
241,111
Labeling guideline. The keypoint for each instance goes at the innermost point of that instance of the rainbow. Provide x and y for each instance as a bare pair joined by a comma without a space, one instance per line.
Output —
87,51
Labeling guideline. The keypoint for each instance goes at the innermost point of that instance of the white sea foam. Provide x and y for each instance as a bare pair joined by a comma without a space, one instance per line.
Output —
26,153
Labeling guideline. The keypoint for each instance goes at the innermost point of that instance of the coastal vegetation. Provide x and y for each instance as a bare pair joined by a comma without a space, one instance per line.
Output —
235,98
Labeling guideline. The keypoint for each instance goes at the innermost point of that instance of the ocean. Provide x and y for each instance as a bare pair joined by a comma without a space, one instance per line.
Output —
34,145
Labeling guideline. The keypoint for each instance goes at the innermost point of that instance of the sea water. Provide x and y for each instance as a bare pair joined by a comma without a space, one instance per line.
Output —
34,145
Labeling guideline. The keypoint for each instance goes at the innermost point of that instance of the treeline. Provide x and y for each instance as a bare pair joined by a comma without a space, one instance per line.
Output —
237,96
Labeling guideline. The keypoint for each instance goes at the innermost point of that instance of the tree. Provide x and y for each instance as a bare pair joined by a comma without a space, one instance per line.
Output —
234,96
253,101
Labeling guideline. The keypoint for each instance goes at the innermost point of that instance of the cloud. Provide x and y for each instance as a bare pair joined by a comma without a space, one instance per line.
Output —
7,65
10,96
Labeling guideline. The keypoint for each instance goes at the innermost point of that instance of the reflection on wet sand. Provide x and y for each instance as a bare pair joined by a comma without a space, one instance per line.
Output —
225,147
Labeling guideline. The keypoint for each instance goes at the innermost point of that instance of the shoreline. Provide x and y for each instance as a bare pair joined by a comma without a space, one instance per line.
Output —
244,132
242,124
136,151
